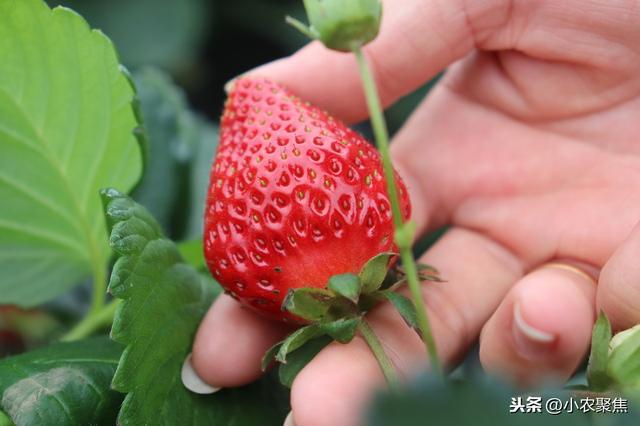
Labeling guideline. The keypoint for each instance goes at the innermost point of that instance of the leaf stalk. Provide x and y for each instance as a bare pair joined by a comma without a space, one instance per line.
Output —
93,322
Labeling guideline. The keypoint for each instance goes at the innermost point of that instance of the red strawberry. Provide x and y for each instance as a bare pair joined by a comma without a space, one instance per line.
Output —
295,197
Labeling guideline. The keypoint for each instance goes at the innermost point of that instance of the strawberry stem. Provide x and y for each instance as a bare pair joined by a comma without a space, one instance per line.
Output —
99,287
385,363
92,322
404,231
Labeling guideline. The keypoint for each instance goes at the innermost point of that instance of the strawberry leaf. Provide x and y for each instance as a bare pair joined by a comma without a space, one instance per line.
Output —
296,340
170,132
428,269
164,300
346,285
342,330
66,130
404,306
270,356
597,375
374,271
206,135
181,147
311,304
63,384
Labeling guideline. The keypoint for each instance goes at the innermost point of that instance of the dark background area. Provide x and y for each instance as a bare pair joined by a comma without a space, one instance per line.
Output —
204,43
201,43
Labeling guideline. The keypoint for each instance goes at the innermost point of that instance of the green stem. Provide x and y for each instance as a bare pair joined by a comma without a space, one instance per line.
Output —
304,29
99,287
385,363
404,233
92,322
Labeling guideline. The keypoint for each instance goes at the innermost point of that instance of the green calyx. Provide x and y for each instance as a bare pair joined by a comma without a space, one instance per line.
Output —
337,311
341,24
345,296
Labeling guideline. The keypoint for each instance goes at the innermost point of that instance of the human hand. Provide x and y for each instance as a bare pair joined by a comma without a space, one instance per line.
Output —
527,147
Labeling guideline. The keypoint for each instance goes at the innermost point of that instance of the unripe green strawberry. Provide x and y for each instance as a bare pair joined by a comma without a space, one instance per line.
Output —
295,197
344,24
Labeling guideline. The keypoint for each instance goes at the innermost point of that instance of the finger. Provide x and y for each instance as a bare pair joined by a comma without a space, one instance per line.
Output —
230,343
401,59
478,274
542,329
619,286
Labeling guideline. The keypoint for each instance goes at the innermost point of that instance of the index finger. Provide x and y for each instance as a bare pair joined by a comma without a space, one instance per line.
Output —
417,40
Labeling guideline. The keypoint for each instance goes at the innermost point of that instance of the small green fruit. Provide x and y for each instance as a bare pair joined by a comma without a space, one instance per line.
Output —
344,24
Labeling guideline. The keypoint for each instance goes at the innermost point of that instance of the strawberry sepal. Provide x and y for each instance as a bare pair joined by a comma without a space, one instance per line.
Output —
337,310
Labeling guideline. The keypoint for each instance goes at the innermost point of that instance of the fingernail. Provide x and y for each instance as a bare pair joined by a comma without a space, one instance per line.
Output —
192,381
530,341
289,420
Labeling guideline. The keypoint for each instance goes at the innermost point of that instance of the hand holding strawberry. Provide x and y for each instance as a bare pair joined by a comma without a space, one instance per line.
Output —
527,148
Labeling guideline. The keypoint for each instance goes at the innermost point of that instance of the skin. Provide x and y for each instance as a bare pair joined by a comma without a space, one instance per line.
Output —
528,147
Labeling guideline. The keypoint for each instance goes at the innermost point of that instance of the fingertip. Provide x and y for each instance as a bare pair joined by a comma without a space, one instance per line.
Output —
557,304
230,343
543,328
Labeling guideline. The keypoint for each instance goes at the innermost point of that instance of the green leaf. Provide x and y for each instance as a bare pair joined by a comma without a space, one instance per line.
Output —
424,268
342,330
597,375
206,135
311,304
182,145
63,384
374,271
346,285
66,130
168,123
624,359
164,300
404,306
296,340
298,359
270,356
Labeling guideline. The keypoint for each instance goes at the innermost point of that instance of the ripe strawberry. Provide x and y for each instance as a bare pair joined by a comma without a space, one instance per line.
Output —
295,197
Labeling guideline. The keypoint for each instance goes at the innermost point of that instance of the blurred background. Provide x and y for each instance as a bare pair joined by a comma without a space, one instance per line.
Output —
203,43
